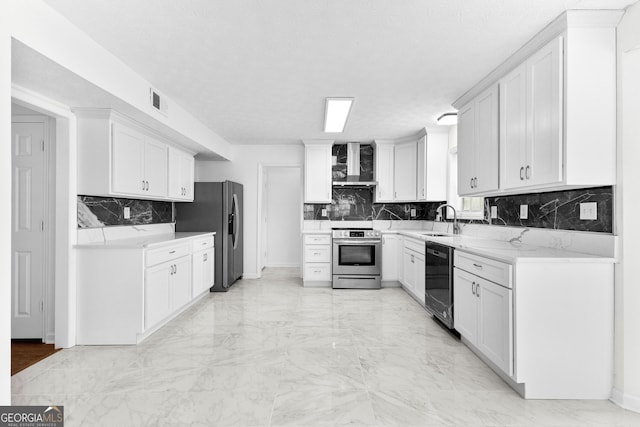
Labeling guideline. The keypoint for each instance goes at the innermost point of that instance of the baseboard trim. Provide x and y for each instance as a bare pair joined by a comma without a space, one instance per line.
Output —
626,401
251,276
391,284
284,265
50,338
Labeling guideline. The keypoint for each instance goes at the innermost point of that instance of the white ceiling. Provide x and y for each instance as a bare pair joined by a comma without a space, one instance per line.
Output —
257,71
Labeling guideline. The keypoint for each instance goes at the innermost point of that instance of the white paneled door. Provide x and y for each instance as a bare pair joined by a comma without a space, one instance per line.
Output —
27,276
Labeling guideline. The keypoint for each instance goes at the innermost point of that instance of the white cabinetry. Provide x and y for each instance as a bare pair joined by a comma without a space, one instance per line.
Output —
531,120
404,176
478,144
483,316
317,171
557,120
413,260
316,270
203,265
390,250
544,325
432,167
119,157
384,170
126,293
181,175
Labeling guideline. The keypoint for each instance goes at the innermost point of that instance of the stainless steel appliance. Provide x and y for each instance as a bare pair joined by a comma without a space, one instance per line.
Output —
217,206
439,282
356,258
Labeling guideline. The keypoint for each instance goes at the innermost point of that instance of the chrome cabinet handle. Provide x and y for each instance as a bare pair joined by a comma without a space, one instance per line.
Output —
521,172
147,185
477,266
473,288
527,172
172,252
475,182
143,185
471,183
478,290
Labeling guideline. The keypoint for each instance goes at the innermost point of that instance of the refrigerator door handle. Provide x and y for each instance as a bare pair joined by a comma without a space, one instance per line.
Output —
236,219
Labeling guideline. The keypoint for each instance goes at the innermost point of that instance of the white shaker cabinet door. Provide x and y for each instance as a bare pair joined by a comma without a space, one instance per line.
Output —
544,136
156,294
180,282
487,148
465,313
384,172
495,324
466,149
513,127
128,161
405,169
155,168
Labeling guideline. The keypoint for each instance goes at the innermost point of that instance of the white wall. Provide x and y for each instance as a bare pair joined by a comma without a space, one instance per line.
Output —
283,216
244,169
5,210
627,346
41,28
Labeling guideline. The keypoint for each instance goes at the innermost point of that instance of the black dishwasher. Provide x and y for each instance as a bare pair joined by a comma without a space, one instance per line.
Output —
439,282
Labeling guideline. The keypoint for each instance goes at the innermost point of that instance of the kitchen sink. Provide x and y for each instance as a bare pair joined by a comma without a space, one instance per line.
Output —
437,235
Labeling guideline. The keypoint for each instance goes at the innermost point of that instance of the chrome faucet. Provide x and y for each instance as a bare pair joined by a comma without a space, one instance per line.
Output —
456,227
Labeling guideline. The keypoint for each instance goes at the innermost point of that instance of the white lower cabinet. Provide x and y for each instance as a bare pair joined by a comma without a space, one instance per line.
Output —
413,259
544,325
125,294
316,269
389,258
483,316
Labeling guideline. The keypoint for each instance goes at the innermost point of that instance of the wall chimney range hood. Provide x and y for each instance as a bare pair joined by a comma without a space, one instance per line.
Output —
353,168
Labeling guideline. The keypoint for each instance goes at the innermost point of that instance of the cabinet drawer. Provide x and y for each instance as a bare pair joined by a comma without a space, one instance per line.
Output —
495,271
317,253
317,239
414,245
317,271
156,256
202,243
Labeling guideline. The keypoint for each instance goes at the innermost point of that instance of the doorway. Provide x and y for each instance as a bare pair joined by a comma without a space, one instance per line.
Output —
33,216
281,216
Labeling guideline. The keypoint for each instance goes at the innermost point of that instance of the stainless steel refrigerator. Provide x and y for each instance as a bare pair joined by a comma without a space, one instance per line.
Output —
217,206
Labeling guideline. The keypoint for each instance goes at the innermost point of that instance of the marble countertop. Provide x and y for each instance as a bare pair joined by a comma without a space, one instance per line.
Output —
504,251
324,231
143,242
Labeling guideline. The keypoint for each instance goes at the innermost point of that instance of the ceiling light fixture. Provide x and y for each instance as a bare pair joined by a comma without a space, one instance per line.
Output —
336,113
448,119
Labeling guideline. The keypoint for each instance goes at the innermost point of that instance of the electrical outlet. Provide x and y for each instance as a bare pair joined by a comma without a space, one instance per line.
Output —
324,212
413,213
524,211
127,212
589,211
494,212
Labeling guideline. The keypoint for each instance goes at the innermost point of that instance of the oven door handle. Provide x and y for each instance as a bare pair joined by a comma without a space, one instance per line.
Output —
356,242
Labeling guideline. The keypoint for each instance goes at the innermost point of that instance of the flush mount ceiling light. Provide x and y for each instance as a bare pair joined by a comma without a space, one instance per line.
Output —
448,119
336,113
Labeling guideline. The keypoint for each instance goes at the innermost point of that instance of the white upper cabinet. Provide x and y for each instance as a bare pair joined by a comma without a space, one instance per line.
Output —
405,167
557,108
432,167
181,175
117,157
317,171
384,171
478,147
531,120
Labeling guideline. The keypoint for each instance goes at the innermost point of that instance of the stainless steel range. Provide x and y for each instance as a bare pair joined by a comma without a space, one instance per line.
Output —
356,258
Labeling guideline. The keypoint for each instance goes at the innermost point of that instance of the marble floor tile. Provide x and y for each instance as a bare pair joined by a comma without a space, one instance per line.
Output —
272,353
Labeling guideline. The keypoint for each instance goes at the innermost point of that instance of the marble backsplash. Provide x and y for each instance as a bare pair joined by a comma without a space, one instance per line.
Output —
556,210
339,162
96,212
356,204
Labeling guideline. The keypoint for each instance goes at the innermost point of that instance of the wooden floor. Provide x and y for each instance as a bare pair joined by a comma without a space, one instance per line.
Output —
25,353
